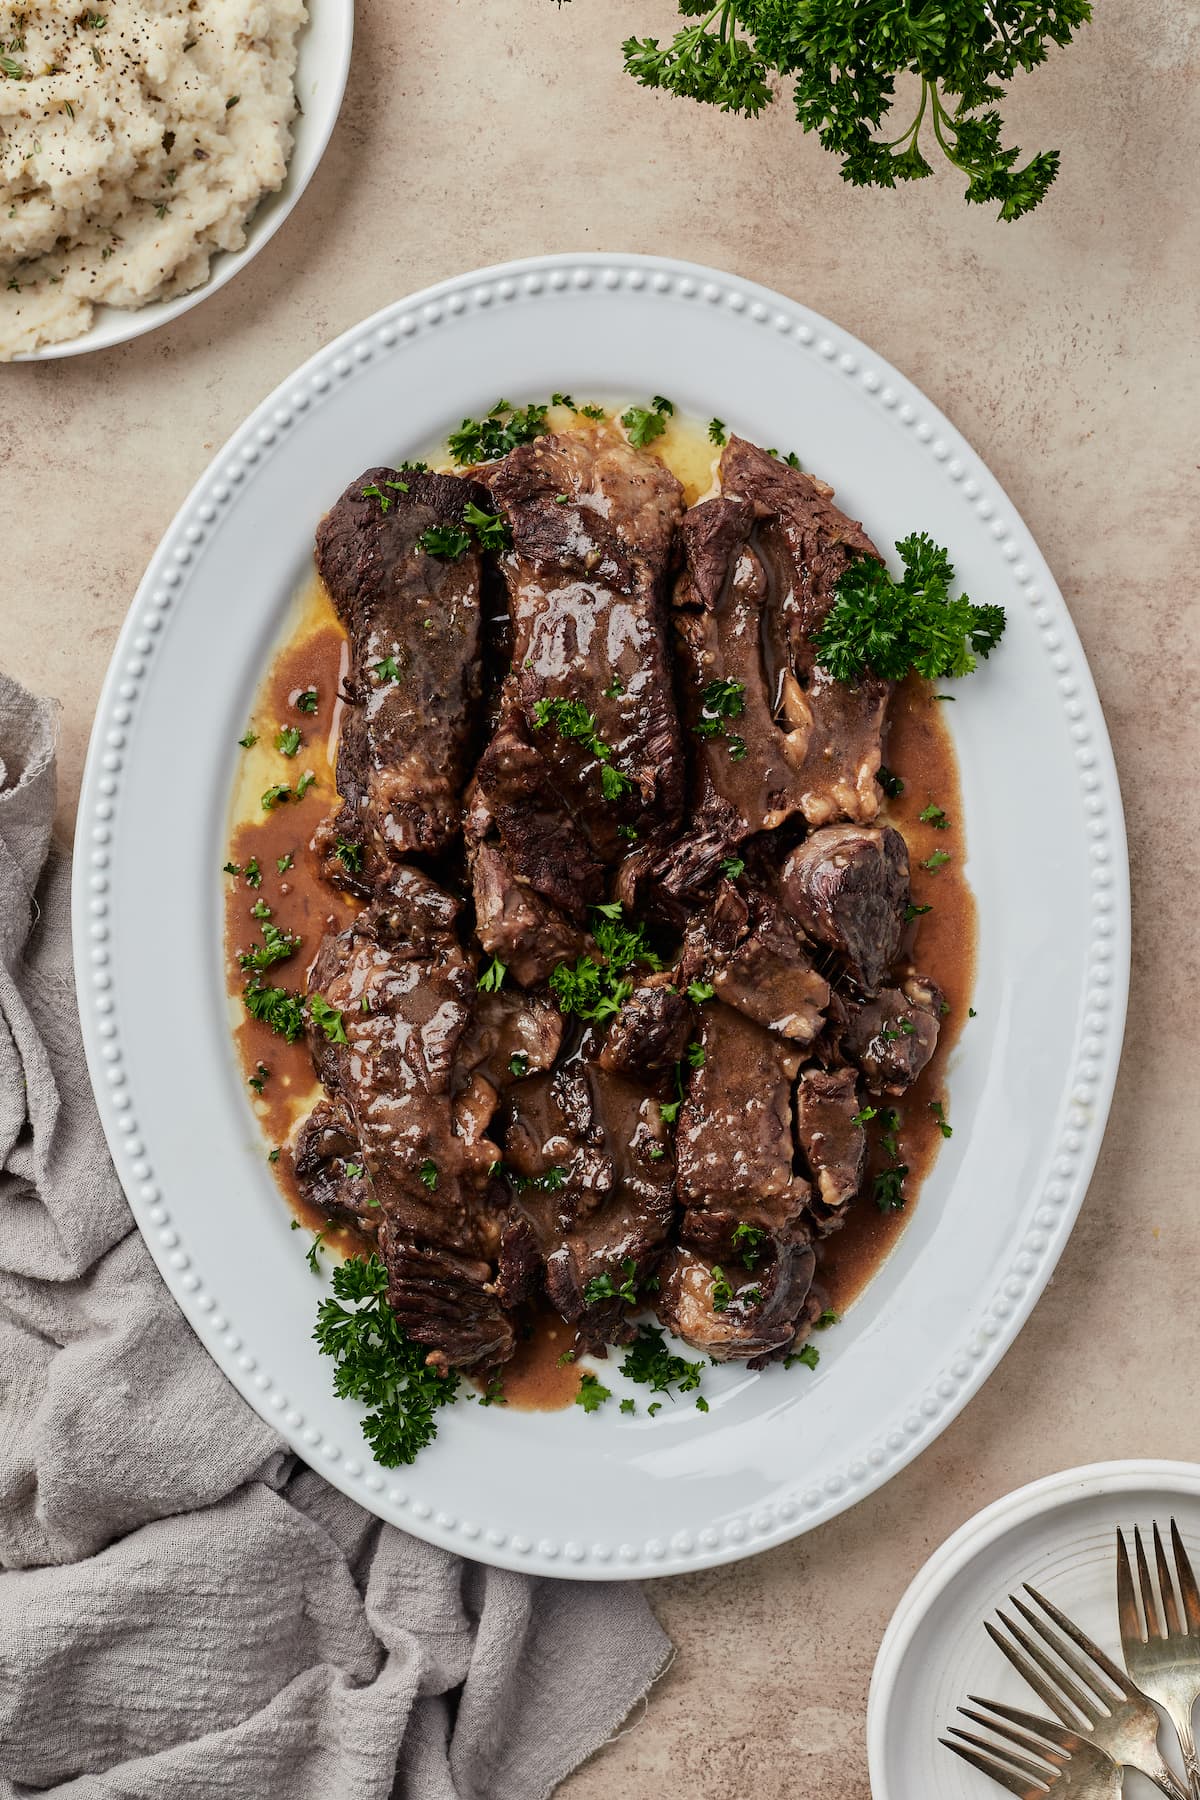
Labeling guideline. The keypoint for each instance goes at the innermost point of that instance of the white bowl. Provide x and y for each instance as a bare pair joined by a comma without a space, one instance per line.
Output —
322,67
1058,1534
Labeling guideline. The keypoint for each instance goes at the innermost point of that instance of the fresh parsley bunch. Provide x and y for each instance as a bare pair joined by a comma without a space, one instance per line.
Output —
884,627
843,57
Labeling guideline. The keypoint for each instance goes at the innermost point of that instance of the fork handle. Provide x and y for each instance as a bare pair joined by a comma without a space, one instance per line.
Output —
1168,1782
1182,1721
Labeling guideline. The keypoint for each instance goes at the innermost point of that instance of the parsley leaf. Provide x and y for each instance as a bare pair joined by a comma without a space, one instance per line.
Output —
275,1007
717,433
275,947
645,423
491,979
720,702
891,784
518,1064
606,1287
327,1018
491,531
722,1292
285,862
732,867
307,701
446,542
888,627
748,1239
591,1394
936,860
307,780
933,815
572,721
700,991
843,57
248,740
428,1172
288,740
386,669
349,855
649,1362
939,1113
376,1363
810,1356
483,440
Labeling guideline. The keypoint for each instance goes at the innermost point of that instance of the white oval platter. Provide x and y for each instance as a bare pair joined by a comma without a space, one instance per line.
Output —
1058,1534
606,1495
322,68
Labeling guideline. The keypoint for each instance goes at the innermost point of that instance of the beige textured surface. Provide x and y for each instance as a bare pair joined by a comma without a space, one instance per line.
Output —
1064,347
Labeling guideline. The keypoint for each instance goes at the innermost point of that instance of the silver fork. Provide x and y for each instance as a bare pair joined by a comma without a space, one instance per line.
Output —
1064,1759
1117,1718
1165,1660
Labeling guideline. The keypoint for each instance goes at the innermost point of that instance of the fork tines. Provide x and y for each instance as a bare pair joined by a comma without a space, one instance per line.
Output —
987,1760
1162,1616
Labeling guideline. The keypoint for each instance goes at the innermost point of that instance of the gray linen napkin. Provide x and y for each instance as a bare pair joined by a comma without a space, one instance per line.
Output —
186,1610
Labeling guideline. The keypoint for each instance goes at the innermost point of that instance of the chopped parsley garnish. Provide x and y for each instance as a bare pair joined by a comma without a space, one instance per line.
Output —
310,1255
493,1394
446,542
936,860
285,862
590,412
428,1173
307,701
748,1241
891,784
248,740
592,1394
562,400
275,795
231,868
722,1292
865,1116
275,1007
615,688
483,440
550,1181
827,1318
288,740
695,1054
700,991
376,1363
971,1013
276,947
645,423
627,833
912,912
352,1170
307,780
260,910
491,531
939,1113
720,701
889,1188
258,1080
518,1064
349,855
252,874
888,627
273,1157
572,721
717,433
933,815
491,980
628,1405
732,867
606,1287
650,1363
327,1018
386,669
810,1356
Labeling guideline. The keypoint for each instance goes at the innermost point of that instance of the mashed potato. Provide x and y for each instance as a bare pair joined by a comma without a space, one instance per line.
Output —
136,138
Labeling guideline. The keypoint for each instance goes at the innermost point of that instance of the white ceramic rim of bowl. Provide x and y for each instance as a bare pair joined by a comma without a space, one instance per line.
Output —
323,58
1021,1507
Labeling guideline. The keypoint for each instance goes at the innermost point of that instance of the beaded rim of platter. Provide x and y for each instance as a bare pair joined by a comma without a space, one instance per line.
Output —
402,329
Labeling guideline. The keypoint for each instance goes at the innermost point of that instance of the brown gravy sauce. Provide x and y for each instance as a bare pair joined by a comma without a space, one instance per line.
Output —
919,750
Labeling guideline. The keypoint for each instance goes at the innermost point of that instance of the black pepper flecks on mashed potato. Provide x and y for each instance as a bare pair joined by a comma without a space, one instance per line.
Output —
136,139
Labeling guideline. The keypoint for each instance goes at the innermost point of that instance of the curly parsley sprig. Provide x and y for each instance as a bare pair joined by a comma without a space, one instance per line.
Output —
377,1363
887,627
843,57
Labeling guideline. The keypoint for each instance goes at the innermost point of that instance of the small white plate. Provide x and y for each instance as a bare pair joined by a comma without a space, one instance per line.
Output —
1030,1083
322,67
1058,1534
